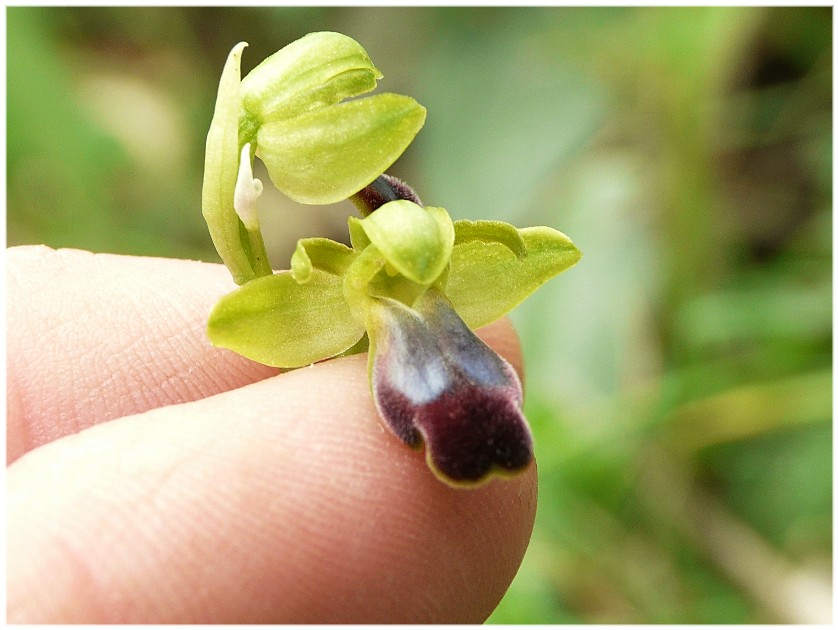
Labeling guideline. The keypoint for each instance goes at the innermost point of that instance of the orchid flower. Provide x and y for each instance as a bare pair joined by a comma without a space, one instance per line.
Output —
410,287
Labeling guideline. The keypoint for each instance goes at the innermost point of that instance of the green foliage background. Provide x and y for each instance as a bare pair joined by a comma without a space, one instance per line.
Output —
678,379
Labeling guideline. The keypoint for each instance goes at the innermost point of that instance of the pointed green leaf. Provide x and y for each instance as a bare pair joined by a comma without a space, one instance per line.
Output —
276,321
416,241
329,154
487,280
319,253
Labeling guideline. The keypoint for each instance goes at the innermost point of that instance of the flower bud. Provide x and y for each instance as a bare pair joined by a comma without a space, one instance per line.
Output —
315,71
327,155
317,149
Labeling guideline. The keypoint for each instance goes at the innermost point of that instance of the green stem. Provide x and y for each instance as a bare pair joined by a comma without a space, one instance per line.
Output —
258,254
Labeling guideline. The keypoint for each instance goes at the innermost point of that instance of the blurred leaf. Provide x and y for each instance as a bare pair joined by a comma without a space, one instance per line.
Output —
752,410
534,112
60,163
781,482
758,309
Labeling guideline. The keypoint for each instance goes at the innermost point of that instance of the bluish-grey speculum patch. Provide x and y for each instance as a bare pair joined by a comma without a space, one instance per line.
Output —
435,382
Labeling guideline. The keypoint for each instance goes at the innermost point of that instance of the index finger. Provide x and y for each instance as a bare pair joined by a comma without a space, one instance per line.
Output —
93,337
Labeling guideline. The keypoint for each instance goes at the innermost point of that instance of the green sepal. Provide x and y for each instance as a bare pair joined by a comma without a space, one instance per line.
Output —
357,278
319,253
231,239
277,321
363,345
416,241
327,155
315,71
367,279
490,232
357,236
487,279
397,287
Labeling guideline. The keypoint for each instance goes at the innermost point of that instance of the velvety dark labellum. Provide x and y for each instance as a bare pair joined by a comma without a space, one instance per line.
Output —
435,382
383,189
467,430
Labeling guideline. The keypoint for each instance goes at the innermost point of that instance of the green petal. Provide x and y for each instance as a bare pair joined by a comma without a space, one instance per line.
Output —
319,253
221,169
357,236
314,71
490,232
366,265
416,241
329,154
487,280
276,321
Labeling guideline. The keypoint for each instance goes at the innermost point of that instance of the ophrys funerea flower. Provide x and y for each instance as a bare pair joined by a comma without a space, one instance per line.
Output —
412,285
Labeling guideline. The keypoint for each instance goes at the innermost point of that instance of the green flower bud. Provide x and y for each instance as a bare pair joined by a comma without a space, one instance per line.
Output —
289,112
315,71
317,149
329,154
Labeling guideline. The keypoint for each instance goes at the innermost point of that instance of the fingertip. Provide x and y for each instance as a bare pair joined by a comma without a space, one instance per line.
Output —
290,489
94,337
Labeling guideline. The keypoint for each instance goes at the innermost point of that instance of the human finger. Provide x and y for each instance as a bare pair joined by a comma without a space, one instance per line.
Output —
280,501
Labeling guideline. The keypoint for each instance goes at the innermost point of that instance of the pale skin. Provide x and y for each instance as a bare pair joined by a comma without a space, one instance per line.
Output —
155,478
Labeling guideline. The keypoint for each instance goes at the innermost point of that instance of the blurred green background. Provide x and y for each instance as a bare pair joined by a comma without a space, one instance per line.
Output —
679,379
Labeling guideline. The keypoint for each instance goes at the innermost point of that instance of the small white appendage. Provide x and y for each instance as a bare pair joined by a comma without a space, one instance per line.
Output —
247,192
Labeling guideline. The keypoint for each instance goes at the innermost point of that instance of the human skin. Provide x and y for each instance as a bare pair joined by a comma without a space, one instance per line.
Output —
155,478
